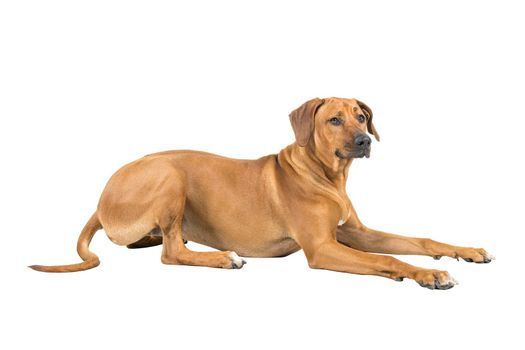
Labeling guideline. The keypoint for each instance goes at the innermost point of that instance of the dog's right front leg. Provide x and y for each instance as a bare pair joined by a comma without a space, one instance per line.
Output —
331,255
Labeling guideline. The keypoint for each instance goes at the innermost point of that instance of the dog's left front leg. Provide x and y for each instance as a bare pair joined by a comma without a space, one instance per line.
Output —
368,240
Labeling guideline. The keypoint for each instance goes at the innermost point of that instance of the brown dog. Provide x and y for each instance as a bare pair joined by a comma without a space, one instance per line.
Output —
269,207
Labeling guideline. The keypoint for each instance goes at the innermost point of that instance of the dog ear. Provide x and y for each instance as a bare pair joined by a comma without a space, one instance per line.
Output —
302,120
369,125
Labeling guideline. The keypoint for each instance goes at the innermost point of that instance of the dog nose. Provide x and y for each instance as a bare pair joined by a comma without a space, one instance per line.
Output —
363,140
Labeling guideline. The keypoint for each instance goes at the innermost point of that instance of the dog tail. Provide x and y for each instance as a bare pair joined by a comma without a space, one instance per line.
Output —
90,259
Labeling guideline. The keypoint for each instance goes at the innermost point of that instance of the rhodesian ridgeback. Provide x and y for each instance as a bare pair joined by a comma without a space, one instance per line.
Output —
269,207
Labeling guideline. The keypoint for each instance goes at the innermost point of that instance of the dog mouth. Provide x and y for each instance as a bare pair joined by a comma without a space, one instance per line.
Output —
360,153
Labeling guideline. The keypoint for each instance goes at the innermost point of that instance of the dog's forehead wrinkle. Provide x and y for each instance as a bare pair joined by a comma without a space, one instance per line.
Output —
346,106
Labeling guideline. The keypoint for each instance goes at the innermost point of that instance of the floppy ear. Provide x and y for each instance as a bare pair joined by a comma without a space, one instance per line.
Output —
369,125
302,120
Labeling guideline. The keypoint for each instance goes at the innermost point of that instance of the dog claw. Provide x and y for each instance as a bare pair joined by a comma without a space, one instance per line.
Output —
477,255
438,286
429,286
445,287
487,258
236,267
437,257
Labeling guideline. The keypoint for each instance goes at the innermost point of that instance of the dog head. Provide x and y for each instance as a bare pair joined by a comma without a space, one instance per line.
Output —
336,128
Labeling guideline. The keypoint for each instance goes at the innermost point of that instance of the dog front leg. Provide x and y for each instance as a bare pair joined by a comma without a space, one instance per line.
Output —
332,255
374,241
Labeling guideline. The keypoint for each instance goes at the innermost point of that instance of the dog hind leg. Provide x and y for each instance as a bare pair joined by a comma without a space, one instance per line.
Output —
174,251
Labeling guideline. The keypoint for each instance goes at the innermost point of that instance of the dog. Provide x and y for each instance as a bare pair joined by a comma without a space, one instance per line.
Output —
269,207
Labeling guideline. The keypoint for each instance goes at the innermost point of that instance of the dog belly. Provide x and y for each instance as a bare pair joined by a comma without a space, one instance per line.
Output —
274,248
245,242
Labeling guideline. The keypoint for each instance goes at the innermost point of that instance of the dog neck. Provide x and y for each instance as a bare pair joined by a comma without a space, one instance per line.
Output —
320,175
333,170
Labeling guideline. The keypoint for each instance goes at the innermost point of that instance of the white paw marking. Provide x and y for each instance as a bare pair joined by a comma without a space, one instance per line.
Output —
451,280
236,260
490,256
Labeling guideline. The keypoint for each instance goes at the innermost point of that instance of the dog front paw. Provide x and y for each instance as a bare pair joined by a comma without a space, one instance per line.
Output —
477,255
434,279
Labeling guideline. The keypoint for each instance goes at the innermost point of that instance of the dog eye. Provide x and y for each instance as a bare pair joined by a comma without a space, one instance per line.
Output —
335,121
361,118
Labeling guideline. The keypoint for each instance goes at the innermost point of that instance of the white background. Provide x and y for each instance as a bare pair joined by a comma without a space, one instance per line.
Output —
86,87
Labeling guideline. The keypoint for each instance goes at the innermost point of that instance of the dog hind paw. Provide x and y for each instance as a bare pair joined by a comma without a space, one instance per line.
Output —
237,261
